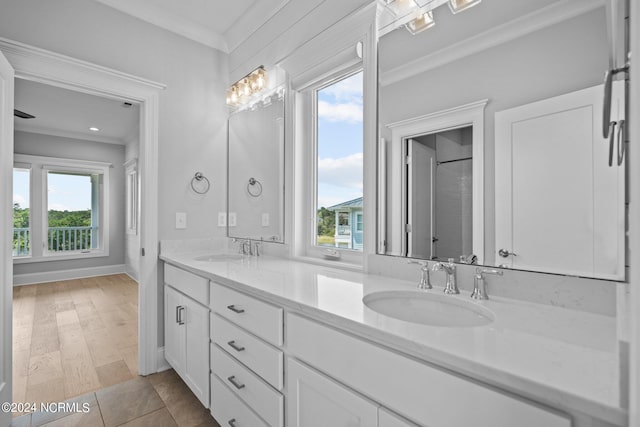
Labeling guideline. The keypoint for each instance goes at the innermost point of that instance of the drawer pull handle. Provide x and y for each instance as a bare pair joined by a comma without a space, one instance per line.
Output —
236,384
234,309
232,422
235,346
180,318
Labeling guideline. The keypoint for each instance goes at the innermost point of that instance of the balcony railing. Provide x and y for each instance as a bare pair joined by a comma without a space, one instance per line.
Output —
343,230
66,239
21,241
59,239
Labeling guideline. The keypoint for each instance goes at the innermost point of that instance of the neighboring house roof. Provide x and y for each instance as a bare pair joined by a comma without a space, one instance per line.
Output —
355,203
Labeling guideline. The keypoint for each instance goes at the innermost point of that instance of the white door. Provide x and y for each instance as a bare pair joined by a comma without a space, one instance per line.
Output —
196,369
174,348
420,184
6,232
316,400
569,219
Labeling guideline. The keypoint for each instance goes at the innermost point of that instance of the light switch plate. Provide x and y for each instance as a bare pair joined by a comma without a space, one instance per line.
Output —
265,219
232,219
222,219
181,220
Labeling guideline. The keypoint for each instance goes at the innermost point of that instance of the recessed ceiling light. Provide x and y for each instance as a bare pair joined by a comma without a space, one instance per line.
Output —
94,129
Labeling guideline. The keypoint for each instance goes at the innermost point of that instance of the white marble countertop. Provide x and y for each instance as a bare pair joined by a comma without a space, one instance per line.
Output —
563,358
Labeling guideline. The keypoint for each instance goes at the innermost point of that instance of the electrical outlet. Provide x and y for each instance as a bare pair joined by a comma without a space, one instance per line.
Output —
181,220
232,219
265,219
222,219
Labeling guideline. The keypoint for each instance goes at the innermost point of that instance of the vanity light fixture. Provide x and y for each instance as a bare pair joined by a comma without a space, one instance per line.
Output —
401,7
251,84
460,5
417,15
422,22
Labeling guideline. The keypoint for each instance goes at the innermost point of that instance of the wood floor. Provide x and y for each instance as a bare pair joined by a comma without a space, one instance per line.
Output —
74,337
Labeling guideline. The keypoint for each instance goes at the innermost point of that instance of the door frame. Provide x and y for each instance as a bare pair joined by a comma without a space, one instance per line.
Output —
6,264
39,65
471,114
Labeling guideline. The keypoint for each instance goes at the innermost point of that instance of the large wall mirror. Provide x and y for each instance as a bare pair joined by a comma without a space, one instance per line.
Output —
256,171
490,139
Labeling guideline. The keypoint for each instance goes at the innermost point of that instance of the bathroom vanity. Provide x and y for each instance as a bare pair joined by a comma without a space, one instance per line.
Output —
293,344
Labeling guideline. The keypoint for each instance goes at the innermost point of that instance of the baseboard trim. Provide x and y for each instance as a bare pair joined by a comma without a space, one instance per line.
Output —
162,363
77,273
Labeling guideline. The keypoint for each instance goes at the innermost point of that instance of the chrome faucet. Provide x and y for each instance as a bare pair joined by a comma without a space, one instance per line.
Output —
479,288
425,279
449,267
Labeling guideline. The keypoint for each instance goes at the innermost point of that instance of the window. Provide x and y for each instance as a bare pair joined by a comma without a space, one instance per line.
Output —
338,157
72,211
21,213
131,174
359,223
68,213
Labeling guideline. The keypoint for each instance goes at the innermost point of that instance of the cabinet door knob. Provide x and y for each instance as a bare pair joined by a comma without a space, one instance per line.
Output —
235,346
234,309
236,384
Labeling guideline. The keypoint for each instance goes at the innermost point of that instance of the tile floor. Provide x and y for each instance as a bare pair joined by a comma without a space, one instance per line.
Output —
159,400
73,337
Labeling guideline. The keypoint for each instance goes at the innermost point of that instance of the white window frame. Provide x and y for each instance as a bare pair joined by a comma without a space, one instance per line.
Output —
306,165
27,166
40,166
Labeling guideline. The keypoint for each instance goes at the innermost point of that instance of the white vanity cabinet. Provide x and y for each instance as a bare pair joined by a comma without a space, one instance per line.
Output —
186,329
247,372
316,400
422,393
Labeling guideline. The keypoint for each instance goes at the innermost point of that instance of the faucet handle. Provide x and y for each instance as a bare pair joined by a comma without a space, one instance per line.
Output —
425,279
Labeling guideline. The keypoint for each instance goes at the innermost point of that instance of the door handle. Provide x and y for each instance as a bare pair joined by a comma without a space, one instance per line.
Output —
180,319
505,253
612,125
177,314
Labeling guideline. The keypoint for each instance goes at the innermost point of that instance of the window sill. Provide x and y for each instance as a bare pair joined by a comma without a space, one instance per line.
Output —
59,257
330,263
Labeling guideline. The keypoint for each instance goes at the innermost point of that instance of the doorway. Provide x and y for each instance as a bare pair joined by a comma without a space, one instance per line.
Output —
77,331
35,64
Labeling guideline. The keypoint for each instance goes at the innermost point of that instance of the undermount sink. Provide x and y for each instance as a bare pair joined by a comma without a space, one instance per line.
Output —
218,257
428,308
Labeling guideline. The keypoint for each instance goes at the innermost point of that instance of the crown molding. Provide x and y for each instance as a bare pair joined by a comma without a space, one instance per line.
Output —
526,24
40,65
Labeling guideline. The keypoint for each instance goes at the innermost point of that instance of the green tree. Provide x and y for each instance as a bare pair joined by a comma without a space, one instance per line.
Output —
326,222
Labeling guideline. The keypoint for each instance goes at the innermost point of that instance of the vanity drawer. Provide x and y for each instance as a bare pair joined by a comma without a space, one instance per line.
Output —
260,357
257,394
189,284
227,409
420,392
258,317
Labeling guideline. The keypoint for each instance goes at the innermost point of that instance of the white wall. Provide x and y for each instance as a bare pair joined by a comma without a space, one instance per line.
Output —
67,148
192,125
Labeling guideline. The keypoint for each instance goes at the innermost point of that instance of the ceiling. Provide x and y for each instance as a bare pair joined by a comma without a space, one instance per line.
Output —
210,22
67,113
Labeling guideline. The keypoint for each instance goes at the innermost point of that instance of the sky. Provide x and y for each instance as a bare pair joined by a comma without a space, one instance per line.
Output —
340,141
66,192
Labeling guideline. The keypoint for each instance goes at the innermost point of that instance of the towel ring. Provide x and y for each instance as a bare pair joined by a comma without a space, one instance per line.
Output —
254,188
199,177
